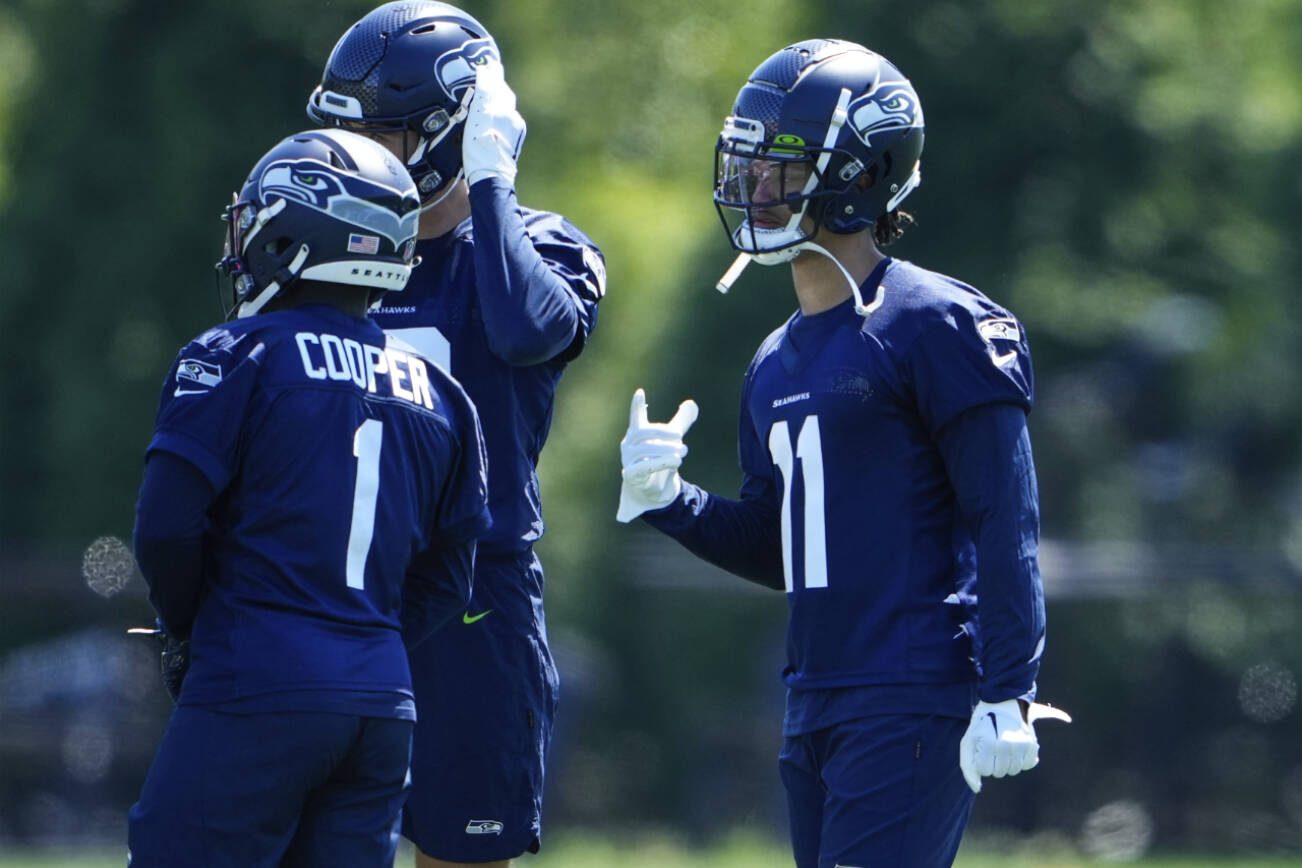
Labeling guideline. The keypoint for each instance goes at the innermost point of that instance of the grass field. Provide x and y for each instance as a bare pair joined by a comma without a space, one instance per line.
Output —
644,851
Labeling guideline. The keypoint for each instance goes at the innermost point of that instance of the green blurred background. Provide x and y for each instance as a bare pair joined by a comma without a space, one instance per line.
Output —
1126,176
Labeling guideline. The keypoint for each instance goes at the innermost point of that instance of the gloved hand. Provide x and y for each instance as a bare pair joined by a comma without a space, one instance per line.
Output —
1000,741
651,453
494,130
174,661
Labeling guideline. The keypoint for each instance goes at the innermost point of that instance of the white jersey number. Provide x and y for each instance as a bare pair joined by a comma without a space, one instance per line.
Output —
429,342
366,447
809,449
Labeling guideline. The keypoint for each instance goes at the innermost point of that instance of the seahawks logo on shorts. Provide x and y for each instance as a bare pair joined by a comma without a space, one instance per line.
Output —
484,827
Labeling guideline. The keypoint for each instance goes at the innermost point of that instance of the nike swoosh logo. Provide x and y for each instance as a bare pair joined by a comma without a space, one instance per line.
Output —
179,392
994,724
468,618
1003,358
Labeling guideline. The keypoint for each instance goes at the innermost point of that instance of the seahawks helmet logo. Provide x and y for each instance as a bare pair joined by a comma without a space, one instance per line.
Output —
455,69
318,186
891,106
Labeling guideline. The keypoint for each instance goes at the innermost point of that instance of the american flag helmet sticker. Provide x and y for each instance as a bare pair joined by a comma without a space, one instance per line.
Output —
368,244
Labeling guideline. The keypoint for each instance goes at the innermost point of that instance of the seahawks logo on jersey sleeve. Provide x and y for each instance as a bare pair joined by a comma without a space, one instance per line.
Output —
196,377
1001,334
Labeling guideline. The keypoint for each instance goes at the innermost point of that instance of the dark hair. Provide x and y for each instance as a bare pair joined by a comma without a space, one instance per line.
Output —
890,226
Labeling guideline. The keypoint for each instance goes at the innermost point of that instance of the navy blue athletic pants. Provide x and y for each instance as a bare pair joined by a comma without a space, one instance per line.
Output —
877,792
272,789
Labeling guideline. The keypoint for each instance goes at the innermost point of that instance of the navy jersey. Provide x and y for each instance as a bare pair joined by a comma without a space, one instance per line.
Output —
337,456
853,486
507,347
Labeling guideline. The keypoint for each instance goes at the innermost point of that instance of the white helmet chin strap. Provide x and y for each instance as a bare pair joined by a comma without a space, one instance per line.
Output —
786,255
859,307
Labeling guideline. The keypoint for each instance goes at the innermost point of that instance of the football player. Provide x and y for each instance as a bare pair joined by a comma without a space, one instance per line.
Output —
285,537
888,485
506,298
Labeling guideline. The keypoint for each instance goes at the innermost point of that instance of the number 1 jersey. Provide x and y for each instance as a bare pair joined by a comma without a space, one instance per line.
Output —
338,456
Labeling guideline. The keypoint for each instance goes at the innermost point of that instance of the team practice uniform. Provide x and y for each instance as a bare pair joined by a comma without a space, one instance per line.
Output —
342,478
888,485
505,305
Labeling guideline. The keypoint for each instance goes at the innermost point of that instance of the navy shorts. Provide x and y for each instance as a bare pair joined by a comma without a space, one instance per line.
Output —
272,789
877,791
486,690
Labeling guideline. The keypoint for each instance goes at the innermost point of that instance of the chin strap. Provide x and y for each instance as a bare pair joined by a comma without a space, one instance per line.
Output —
859,307
734,271
744,259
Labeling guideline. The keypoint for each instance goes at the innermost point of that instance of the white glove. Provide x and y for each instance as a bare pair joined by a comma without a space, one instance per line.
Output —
651,453
1000,741
494,130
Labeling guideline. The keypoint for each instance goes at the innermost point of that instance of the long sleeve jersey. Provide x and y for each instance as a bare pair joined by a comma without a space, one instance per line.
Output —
889,489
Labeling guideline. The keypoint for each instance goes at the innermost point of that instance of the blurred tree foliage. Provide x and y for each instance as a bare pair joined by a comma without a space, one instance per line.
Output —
1125,176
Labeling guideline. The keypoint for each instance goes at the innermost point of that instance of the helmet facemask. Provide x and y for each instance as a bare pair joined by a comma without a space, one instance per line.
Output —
244,220
431,139
772,193
832,113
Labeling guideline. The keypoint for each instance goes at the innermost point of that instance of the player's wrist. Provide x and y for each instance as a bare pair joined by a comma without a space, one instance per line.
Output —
479,176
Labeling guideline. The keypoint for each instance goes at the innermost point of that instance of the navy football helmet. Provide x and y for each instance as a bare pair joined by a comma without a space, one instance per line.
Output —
825,133
325,205
409,67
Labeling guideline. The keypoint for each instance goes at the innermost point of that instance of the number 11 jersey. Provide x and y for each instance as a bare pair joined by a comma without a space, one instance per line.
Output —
840,424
